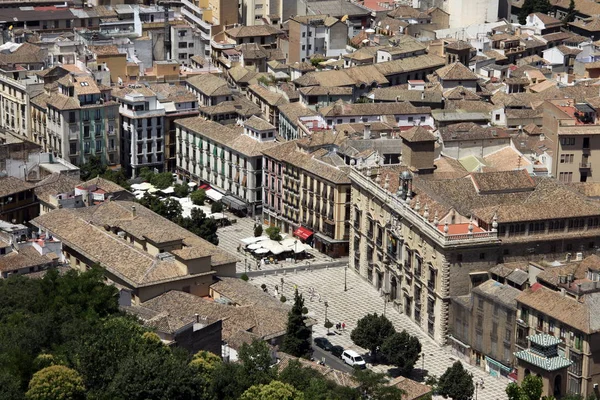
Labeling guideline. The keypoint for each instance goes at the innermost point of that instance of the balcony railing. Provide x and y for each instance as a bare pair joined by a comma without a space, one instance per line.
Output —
585,165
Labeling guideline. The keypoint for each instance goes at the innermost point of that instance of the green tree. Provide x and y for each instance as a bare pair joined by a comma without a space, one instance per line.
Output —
180,190
570,15
456,383
533,6
258,230
216,207
256,361
373,385
92,168
170,208
297,337
328,325
56,383
274,233
198,197
371,331
275,390
530,389
162,180
204,363
313,384
401,350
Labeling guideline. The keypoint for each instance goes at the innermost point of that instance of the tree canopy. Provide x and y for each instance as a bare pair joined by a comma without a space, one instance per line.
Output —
56,383
371,331
297,337
275,390
533,6
94,167
401,350
530,389
198,197
456,383
274,233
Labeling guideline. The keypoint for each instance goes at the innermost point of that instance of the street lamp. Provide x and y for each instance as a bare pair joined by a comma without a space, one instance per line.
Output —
326,305
282,282
477,385
245,265
345,285
423,366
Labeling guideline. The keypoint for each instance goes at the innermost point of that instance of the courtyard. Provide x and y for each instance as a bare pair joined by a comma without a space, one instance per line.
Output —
326,286
229,240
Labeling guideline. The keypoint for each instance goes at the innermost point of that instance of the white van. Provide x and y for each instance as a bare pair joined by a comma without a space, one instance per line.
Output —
353,359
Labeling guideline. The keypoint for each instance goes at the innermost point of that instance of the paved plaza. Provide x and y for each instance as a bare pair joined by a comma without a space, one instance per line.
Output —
361,298
229,240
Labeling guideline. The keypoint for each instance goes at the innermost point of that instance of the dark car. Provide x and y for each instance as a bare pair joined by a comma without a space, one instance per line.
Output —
323,343
337,351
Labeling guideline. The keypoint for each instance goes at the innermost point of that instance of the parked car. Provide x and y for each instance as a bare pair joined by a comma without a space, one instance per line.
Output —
323,343
337,351
353,359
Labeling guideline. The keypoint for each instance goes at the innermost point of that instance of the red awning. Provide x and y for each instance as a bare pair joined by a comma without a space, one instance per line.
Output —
303,233
205,186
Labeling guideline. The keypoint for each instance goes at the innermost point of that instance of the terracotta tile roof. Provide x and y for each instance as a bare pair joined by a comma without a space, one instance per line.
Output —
105,184
84,229
363,109
418,134
503,182
244,31
548,20
459,45
393,93
338,377
407,12
25,257
27,53
239,105
591,24
579,315
106,50
412,390
265,319
271,98
293,111
11,185
310,162
258,124
506,159
326,90
471,131
456,72
225,136
55,184
209,84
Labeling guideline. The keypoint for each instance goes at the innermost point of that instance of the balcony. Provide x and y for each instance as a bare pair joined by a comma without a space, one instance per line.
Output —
431,285
585,165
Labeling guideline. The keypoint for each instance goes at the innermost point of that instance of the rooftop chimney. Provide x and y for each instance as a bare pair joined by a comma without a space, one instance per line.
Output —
197,317
367,131
133,211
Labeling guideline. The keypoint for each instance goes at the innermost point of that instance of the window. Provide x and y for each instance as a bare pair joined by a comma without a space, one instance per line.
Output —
497,117
566,158
508,335
410,119
182,45
98,146
303,47
303,34
566,177
567,141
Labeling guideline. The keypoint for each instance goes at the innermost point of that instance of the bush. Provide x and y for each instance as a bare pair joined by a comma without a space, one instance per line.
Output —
274,233
198,197
244,277
181,190
282,299
258,230
216,207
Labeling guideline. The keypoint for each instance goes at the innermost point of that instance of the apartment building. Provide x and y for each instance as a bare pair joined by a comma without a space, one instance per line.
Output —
564,329
18,203
572,127
80,120
307,192
436,234
210,89
228,159
142,129
18,85
210,17
178,103
161,256
489,345
268,101
316,34
400,114
186,42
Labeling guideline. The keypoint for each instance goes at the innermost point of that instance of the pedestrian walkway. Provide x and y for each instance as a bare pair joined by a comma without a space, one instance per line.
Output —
324,294
229,240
